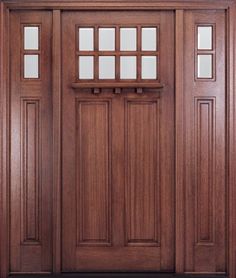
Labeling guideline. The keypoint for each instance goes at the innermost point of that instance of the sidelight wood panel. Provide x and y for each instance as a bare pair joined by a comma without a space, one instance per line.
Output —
31,171
31,145
142,173
205,141
93,181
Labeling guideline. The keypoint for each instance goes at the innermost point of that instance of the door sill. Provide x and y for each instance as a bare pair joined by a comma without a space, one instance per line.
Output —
119,275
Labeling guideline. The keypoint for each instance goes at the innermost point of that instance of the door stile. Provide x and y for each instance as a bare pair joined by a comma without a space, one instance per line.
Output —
4,140
56,91
179,140
231,139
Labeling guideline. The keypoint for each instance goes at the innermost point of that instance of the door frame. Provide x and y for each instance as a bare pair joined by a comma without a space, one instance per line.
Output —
179,7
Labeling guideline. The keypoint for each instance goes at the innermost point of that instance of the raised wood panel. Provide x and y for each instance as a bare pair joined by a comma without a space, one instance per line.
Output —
31,170
31,151
205,158
142,173
205,169
93,173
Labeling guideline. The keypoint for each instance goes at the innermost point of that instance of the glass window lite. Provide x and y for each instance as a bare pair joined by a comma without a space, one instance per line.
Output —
86,39
31,66
86,67
149,39
107,39
204,37
31,38
128,39
205,66
107,67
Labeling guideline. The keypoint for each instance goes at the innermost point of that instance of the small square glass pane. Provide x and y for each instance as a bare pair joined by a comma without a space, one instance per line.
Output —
128,67
204,66
31,38
128,39
86,66
204,37
86,39
149,39
31,66
149,67
107,39
106,67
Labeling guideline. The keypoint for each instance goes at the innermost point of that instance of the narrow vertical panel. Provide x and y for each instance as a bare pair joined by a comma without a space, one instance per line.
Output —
30,171
179,135
205,169
142,173
93,173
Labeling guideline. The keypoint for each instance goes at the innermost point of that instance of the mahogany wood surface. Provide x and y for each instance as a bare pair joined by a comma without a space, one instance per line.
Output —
118,161
72,159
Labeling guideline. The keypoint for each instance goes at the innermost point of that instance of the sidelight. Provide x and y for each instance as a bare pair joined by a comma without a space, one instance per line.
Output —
31,38
31,69
31,51
204,37
205,52
204,66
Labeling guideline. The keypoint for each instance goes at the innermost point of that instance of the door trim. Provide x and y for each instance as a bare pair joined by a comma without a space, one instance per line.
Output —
179,6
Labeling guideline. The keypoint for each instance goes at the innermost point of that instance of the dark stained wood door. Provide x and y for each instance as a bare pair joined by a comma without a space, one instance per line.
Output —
30,142
118,158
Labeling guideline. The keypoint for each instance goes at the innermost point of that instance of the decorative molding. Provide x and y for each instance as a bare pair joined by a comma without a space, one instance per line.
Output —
31,164
204,147
93,175
143,209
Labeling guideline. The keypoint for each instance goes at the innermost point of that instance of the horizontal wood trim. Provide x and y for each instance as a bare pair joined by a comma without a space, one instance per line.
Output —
78,85
119,275
118,5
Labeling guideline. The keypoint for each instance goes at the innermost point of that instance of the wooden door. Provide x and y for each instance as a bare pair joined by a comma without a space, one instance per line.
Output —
117,151
30,142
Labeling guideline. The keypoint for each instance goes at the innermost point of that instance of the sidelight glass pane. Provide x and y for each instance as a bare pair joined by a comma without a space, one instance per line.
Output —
204,37
149,67
149,39
106,67
86,39
128,67
128,39
31,38
204,66
86,67
31,66
107,39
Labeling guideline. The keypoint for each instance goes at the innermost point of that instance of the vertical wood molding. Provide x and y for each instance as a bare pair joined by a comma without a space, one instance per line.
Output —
143,204
4,101
231,134
179,135
56,89
31,171
93,172
204,154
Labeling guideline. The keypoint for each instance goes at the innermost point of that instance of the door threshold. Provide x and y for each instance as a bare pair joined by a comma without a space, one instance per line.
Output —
118,275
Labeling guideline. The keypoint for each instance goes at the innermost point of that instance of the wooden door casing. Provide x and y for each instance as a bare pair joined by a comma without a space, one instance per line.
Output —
31,150
118,161
183,242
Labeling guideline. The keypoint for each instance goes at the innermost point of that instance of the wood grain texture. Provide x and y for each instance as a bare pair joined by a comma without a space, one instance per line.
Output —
141,129
205,143
31,156
93,173
31,161
142,143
